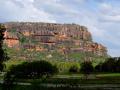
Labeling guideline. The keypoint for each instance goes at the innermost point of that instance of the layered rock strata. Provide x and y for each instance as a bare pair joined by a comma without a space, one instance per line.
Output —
65,38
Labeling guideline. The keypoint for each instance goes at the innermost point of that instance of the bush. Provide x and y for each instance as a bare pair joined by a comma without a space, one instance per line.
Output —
98,68
34,69
86,68
29,70
74,69
64,67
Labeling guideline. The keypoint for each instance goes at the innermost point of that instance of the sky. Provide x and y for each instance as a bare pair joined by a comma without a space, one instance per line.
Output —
101,17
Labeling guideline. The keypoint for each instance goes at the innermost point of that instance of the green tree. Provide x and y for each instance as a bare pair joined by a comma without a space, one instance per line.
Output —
108,66
3,55
74,69
35,69
86,68
118,65
29,70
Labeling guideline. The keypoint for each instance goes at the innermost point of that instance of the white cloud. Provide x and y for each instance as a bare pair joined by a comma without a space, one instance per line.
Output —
25,0
111,18
109,13
114,52
103,20
105,7
13,11
80,1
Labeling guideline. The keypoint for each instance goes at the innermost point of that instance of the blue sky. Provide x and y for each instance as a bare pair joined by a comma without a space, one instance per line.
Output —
102,17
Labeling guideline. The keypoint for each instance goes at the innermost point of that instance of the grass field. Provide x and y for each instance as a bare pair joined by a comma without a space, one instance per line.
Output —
113,78
72,82
58,88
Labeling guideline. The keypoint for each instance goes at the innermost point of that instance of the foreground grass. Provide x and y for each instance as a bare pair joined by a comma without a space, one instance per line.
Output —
71,82
111,78
77,78
35,87
109,75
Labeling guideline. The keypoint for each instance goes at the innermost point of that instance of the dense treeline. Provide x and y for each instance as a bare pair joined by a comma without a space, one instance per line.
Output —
110,65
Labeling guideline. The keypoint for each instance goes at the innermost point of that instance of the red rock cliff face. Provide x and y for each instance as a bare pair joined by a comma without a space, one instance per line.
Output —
50,36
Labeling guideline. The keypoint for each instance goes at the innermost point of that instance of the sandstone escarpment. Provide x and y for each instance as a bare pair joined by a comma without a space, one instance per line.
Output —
65,38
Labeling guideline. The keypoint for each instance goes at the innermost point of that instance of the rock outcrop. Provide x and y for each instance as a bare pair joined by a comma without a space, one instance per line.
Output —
65,38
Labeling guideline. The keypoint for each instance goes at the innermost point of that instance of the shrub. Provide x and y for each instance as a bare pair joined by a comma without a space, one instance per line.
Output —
86,68
34,69
64,67
74,69
98,68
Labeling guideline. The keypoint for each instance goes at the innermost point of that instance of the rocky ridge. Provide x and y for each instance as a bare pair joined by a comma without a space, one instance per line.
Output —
64,38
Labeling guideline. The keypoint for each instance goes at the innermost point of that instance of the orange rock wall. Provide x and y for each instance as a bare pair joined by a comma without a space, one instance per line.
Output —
49,36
